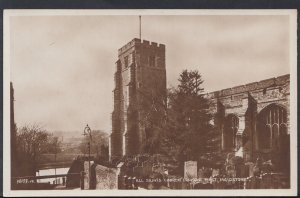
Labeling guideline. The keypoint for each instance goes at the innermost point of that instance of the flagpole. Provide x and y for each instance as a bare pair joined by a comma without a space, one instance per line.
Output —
140,27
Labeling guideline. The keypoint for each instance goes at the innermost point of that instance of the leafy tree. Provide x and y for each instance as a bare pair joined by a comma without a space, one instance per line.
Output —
182,129
189,131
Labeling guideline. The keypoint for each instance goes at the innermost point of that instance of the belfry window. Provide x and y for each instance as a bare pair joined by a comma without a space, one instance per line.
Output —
126,61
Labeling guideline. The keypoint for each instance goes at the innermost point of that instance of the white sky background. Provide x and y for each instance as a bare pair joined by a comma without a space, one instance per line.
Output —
62,67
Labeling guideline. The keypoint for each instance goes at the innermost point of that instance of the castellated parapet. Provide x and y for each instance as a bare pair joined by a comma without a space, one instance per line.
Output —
140,78
138,42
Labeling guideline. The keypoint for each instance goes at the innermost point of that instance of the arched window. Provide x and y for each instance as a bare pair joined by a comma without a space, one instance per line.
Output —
231,128
271,123
266,137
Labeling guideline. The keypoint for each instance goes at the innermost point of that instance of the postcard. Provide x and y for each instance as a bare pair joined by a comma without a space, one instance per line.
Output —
150,102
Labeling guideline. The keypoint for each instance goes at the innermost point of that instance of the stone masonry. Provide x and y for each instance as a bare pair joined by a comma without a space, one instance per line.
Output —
253,119
140,78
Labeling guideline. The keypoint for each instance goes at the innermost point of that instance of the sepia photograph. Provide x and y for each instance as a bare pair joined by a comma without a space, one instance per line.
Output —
149,102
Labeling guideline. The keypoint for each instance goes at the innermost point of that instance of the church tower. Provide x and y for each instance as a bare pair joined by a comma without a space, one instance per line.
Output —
140,79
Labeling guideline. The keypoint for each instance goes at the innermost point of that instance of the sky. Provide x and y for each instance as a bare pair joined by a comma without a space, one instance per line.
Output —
62,67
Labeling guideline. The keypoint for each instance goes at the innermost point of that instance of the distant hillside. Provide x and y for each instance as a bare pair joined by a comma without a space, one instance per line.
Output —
74,144
67,134
71,140
73,135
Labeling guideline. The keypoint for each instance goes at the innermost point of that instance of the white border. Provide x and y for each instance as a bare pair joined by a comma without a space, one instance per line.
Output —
6,104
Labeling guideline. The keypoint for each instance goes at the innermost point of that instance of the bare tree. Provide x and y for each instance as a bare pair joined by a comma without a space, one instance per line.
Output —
32,141
53,145
98,142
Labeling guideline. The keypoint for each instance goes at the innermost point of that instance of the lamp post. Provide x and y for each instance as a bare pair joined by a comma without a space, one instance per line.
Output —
87,131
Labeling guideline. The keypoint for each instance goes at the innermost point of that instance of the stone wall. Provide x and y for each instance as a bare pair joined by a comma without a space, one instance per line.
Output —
246,102
99,177
263,84
140,79
106,178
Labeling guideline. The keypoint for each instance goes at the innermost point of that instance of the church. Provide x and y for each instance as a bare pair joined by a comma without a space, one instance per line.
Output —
140,79
252,119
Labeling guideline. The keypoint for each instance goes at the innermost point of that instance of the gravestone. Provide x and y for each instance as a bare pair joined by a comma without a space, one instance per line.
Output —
250,166
158,169
201,173
190,169
231,173
215,172
147,168
106,178
166,171
120,168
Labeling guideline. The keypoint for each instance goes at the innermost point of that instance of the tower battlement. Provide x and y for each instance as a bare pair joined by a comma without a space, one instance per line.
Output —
140,74
144,43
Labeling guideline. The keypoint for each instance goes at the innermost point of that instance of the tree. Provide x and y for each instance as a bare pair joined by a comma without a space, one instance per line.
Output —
178,123
153,107
53,145
99,144
32,141
189,131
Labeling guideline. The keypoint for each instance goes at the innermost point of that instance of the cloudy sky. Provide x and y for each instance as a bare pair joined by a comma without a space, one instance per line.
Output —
62,66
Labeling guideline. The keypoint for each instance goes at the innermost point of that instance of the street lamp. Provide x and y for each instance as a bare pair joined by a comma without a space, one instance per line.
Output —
88,132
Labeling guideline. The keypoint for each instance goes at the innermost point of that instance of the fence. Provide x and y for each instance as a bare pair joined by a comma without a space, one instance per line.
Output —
34,183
